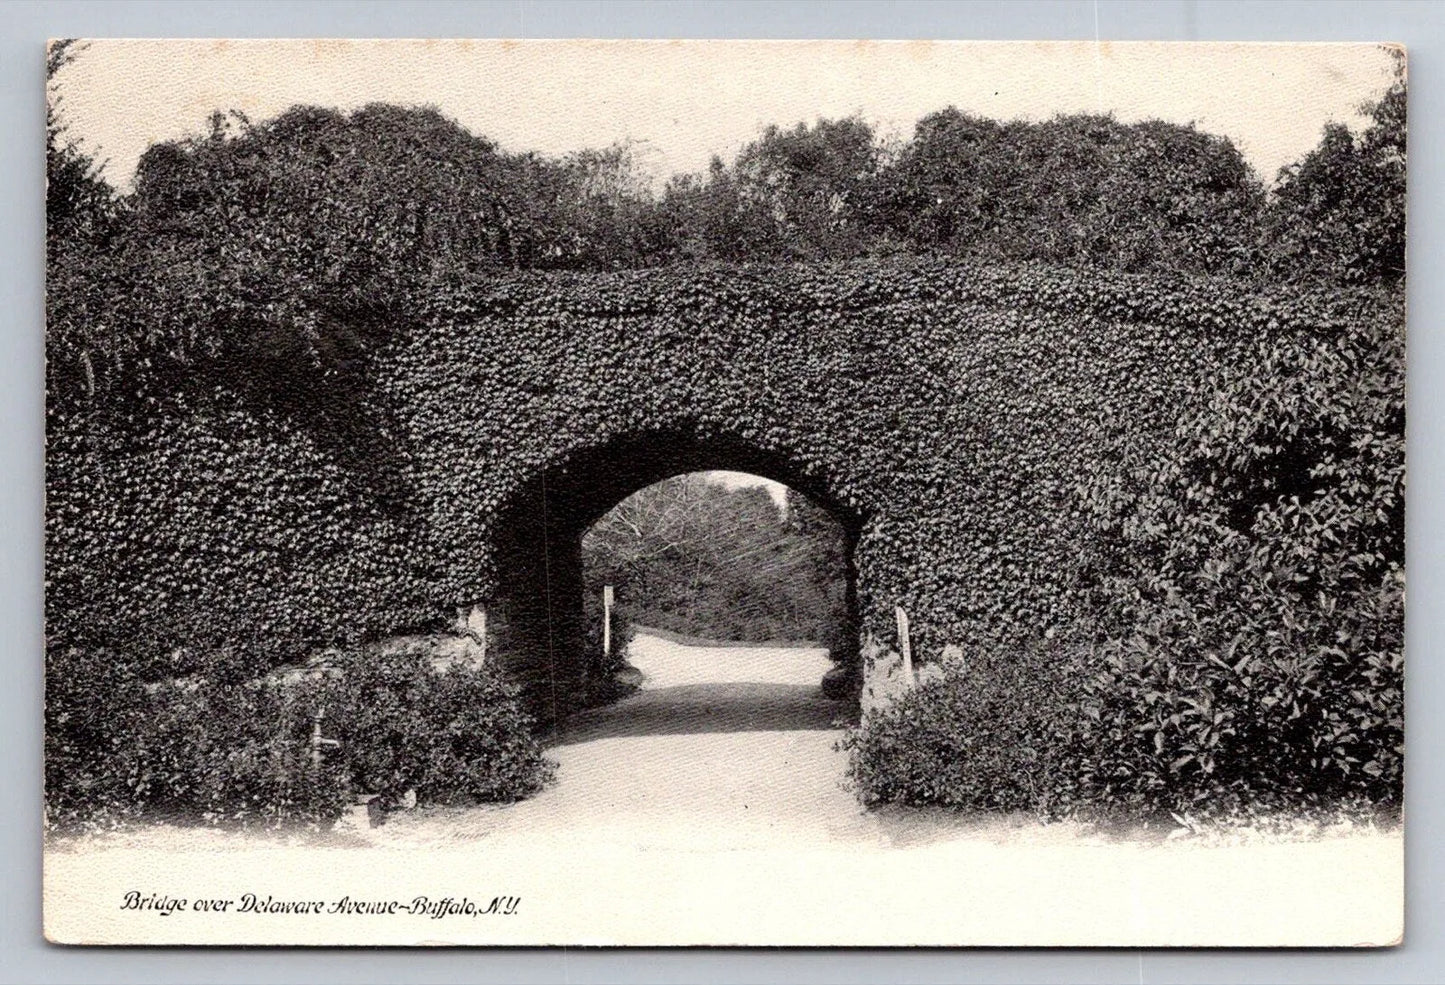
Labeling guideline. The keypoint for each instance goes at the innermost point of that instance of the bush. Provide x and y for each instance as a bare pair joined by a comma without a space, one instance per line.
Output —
1250,585
194,750
235,753
1076,189
1181,723
85,751
451,734
610,678
208,750
998,735
1159,722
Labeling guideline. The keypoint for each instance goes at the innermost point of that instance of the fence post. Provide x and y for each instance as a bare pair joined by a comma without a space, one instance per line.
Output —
606,622
316,737
905,646
317,742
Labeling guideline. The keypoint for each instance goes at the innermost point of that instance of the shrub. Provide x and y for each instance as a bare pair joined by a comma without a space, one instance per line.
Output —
220,753
999,735
1250,584
193,750
605,679
1164,720
85,748
214,750
1284,717
1084,189
452,734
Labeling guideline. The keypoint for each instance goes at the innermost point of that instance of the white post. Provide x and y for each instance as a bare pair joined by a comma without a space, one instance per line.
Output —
606,622
316,738
905,648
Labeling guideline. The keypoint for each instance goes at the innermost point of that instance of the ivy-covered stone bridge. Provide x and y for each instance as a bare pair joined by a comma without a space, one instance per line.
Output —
949,415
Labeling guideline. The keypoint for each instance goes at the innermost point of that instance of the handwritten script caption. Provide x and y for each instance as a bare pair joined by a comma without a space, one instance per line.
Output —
164,905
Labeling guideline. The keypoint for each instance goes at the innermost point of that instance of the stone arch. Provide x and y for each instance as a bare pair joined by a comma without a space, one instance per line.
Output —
537,603
959,420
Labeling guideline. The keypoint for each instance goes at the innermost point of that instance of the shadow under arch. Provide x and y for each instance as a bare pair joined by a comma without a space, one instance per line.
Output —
538,608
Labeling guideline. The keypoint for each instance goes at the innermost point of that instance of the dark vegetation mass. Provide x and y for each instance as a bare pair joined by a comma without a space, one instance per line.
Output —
1239,641
276,256
278,372
226,747
694,557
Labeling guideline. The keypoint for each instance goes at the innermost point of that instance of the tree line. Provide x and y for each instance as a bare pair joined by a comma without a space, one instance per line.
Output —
693,556
281,253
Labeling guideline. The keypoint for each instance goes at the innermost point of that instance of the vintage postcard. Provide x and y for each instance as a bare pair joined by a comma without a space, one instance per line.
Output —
724,493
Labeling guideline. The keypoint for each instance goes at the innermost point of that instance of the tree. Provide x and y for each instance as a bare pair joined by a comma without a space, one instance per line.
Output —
1074,189
279,256
276,258
78,201
81,211
592,209
693,556
794,193
806,185
1339,214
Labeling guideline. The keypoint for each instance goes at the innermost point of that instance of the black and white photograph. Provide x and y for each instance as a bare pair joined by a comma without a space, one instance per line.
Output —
748,493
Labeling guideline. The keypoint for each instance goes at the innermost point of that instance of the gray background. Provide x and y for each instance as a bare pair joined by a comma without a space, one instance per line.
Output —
23,29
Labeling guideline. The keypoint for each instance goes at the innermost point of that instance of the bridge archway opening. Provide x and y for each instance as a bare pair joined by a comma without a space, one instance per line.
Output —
551,565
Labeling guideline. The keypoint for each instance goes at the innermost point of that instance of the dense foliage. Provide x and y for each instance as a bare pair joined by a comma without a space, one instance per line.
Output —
209,527
453,734
79,203
943,410
1250,604
695,557
1000,731
221,748
199,750
939,409
327,377
280,255
1242,643
1339,214
947,412
799,193
1080,189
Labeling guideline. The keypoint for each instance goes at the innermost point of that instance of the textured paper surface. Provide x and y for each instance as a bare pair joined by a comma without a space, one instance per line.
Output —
751,855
